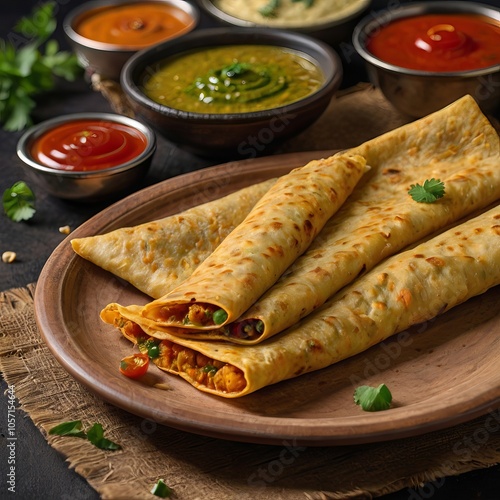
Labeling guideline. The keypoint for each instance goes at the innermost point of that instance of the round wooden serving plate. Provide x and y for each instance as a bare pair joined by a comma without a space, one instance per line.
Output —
441,373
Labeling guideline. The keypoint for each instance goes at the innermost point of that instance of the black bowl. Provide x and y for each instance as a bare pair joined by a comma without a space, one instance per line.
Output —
234,135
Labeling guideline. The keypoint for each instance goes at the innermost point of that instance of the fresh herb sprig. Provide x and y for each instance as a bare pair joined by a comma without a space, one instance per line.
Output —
373,398
160,489
270,9
95,434
29,66
429,192
19,202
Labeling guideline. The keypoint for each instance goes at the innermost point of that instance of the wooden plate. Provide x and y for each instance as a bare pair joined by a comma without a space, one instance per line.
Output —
441,373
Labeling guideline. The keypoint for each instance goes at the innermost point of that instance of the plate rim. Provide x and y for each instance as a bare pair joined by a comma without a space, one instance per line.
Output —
362,429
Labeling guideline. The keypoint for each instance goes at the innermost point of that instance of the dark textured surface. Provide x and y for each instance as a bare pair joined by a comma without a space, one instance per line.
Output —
41,471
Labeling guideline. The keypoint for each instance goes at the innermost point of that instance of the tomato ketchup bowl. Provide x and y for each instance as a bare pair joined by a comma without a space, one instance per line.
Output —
87,156
423,56
232,93
106,33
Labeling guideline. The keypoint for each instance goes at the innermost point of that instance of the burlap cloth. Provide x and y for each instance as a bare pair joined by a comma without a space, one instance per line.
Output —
198,467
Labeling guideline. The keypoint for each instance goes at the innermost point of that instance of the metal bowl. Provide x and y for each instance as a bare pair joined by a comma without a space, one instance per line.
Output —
86,185
418,93
231,135
107,59
333,31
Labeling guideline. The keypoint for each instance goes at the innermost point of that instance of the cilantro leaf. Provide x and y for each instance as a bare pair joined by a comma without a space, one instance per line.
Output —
19,109
160,489
73,428
96,436
308,3
270,9
26,58
40,25
429,192
62,63
373,398
19,202
27,70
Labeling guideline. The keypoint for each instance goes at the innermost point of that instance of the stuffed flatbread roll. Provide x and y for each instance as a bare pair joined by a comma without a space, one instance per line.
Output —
406,289
457,145
275,233
157,256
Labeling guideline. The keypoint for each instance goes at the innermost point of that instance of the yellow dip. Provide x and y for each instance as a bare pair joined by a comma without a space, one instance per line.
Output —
289,13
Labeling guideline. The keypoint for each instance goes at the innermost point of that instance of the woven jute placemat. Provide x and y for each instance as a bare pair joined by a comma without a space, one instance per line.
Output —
198,467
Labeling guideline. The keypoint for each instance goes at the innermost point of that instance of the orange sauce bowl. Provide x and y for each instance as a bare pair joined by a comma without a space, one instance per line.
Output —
424,56
106,33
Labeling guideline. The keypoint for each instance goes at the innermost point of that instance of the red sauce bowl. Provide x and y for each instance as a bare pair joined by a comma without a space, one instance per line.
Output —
105,33
87,156
424,56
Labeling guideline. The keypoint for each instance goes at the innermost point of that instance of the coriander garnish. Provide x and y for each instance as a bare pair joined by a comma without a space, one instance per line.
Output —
95,434
272,7
19,202
160,489
307,2
269,10
73,428
373,398
29,70
429,192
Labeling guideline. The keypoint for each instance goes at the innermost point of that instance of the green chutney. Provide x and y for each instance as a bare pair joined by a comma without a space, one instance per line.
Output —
234,79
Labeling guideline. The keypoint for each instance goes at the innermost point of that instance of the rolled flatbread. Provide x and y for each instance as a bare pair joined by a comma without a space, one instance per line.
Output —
157,256
275,233
406,289
457,145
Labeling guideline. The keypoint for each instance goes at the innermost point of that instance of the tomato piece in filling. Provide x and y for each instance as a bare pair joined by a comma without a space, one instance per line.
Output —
201,369
135,365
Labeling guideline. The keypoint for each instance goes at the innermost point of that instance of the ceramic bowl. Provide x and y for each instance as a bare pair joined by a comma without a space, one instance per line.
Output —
235,135
333,26
107,59
87,185
417,93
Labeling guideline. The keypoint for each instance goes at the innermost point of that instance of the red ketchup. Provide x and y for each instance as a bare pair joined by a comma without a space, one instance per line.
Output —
85,145
439,42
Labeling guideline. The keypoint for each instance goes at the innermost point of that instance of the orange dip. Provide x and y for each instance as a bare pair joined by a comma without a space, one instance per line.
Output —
439,42
135,25
84,145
